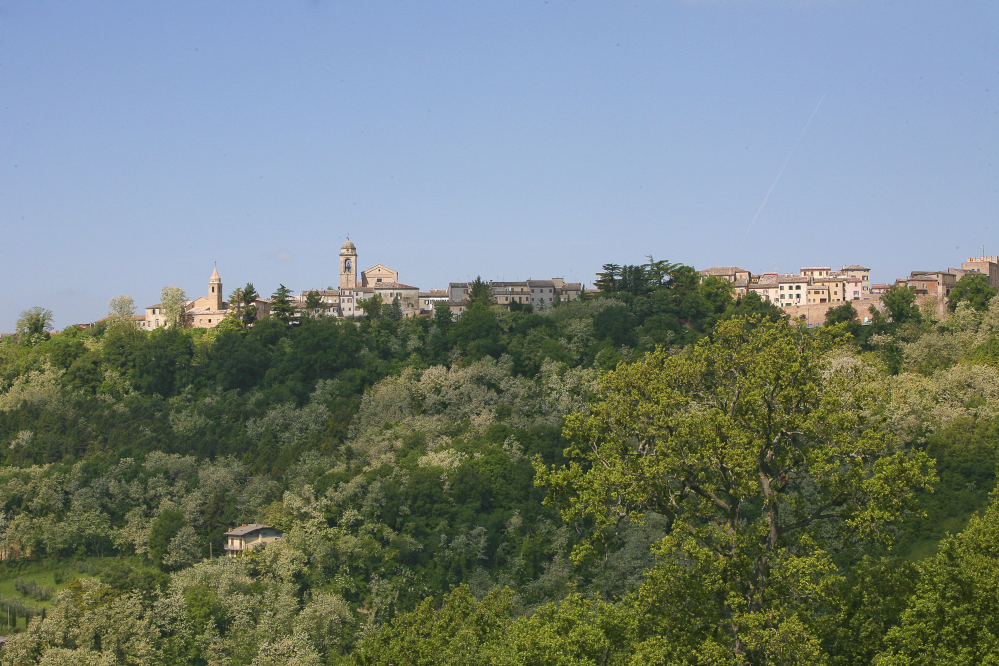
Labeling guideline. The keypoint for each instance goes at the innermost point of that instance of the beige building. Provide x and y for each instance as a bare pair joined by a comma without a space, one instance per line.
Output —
858,273
249,536
986,266
430,299
356,285
539,294
203,312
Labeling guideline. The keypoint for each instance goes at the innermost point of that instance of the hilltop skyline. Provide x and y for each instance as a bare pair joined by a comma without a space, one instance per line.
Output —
141,144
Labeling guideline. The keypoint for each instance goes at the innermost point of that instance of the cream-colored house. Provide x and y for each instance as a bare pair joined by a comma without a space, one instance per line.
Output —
249,536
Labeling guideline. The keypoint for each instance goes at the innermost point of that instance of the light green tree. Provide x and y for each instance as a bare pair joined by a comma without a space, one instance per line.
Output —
174,302
121,312
757,453
33,326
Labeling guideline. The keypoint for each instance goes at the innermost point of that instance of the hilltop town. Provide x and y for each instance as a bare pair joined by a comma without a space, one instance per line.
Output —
805,296
812,292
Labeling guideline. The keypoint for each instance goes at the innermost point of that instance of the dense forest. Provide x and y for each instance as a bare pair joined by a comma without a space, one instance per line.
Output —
655,474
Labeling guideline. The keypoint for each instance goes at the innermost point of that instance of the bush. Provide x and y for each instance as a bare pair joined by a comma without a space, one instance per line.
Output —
33,589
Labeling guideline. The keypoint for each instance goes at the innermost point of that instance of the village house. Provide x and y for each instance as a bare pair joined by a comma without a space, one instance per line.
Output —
249,536
540,294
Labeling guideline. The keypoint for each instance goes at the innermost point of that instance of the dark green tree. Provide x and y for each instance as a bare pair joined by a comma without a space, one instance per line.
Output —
480,291
607,280
164,528
841,313
249,297
900,302
281,307
973,288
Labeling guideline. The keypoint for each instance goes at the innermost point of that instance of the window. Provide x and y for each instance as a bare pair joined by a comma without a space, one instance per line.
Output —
797,287
782,287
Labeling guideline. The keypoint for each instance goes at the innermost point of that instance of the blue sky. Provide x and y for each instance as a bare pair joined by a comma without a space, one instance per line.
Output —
142,142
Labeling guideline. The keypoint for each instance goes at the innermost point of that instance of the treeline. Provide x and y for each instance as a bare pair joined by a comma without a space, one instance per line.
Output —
404,457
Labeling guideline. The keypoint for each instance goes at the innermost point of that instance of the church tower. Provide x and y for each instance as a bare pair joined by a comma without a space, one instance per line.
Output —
215,291
348,266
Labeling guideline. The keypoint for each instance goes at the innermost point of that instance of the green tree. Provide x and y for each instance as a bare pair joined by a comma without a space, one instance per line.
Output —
174,302
841,313
756,457
607,280
281,307
900,303
372,307
162,532
480,291
394,310
973,288
314,305
33,326
121,312
249,298
953,617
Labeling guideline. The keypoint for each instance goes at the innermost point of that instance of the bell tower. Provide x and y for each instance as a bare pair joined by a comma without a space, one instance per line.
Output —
215,290
348,266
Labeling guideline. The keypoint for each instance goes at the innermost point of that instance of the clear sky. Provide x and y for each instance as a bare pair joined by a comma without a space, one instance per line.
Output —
141,142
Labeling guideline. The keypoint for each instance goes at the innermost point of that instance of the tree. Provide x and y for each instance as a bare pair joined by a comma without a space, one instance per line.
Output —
480,291
235,311
162,533
900,302
756,455
33,326
249,297
841,313
174,302
394,310
953,617
314,305
121,312
607,281
372,307
281,307
973,288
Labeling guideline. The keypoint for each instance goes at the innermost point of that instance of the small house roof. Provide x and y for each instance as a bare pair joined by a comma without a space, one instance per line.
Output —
248,529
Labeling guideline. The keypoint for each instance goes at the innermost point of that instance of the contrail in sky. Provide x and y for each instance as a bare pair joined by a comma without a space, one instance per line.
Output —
785,163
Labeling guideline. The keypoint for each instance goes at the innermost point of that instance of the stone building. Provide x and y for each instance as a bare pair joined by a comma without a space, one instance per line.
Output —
539,294
203,312
357,285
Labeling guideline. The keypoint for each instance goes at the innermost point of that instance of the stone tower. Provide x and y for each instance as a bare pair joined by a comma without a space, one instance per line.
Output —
348,266
215,291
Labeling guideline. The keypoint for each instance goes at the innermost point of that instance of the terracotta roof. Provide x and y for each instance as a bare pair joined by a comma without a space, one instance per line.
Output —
434,293
856,267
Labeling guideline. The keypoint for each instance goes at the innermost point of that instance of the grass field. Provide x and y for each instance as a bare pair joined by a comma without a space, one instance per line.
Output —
43,573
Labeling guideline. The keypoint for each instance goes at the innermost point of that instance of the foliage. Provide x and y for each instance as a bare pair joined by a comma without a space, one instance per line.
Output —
395,454
953,616
973,289
751,449
900,303
174,302
33,326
